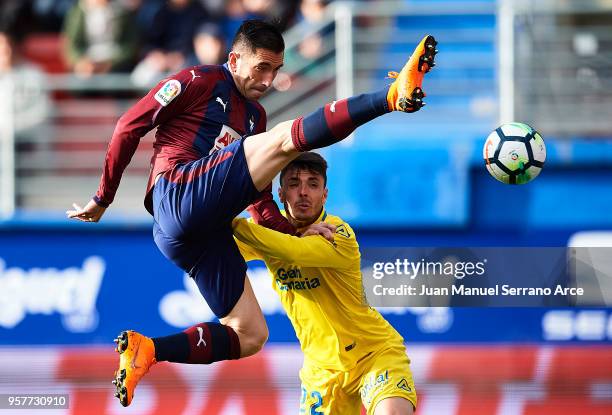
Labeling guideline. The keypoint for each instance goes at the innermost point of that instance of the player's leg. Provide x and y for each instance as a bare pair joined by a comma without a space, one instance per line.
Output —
197,203
247,320
240,333
394,406
269,152
387,386
220,274
323,391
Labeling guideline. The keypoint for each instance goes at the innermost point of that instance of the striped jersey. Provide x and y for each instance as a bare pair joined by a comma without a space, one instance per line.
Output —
196,111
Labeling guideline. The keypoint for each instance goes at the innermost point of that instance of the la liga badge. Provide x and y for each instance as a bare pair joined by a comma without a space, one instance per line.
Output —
168,92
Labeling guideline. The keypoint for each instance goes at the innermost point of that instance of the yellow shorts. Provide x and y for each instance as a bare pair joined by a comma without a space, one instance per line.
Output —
379,375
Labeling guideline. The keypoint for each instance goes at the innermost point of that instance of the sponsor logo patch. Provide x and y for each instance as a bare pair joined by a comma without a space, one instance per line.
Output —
373,382
403,384
292,279
226,137
168,92
341,230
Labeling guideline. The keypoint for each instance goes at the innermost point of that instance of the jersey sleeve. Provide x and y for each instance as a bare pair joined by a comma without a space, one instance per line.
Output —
167,98
248,252
265,212
309,251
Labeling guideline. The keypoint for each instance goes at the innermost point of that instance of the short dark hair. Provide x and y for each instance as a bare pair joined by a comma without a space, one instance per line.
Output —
258,34
310,161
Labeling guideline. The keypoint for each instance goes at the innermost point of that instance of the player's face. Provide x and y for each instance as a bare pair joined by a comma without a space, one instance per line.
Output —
304,193
254,72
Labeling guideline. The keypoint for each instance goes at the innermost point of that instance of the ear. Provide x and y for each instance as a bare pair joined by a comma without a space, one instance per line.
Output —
281,195
233,61
325,192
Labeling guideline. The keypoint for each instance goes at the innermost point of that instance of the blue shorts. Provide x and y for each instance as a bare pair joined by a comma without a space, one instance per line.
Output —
193,208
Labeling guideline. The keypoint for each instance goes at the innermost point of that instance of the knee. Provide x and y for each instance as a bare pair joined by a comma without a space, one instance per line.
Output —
253,342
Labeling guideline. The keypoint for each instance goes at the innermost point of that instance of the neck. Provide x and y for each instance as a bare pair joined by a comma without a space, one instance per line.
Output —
301,223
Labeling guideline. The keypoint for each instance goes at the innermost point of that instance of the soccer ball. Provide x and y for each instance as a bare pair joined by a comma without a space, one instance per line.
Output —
514,153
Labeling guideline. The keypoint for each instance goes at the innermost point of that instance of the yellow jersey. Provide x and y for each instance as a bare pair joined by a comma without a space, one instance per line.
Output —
320,286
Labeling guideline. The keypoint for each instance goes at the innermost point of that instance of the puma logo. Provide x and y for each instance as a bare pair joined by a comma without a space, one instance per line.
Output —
201,333
193,75
223,104
332,107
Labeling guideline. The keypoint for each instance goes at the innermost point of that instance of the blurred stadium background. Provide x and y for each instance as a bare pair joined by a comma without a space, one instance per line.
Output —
66,288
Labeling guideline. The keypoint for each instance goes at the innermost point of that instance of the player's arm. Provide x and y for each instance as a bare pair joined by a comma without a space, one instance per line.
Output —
309,251
265,212
248,252
157,106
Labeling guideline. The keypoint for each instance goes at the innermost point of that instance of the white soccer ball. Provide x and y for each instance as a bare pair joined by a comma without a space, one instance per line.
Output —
514,153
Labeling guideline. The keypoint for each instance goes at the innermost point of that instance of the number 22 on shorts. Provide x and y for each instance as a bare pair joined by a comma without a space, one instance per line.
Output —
314,407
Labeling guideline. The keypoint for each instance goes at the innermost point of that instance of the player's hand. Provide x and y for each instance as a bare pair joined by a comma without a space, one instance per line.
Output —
92,212
326,230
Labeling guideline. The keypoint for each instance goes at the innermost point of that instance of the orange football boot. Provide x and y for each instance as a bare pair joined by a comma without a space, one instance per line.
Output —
137,355
405,93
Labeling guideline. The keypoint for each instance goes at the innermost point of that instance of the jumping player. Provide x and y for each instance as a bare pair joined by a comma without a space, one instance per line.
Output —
353,356
211,160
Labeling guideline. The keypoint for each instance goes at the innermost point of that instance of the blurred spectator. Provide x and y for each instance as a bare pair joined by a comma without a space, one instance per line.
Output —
101,37
310,13
215,9
144,12
16,18
275,11
259,7
209,45
236,12
170,41
50,14
25,83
